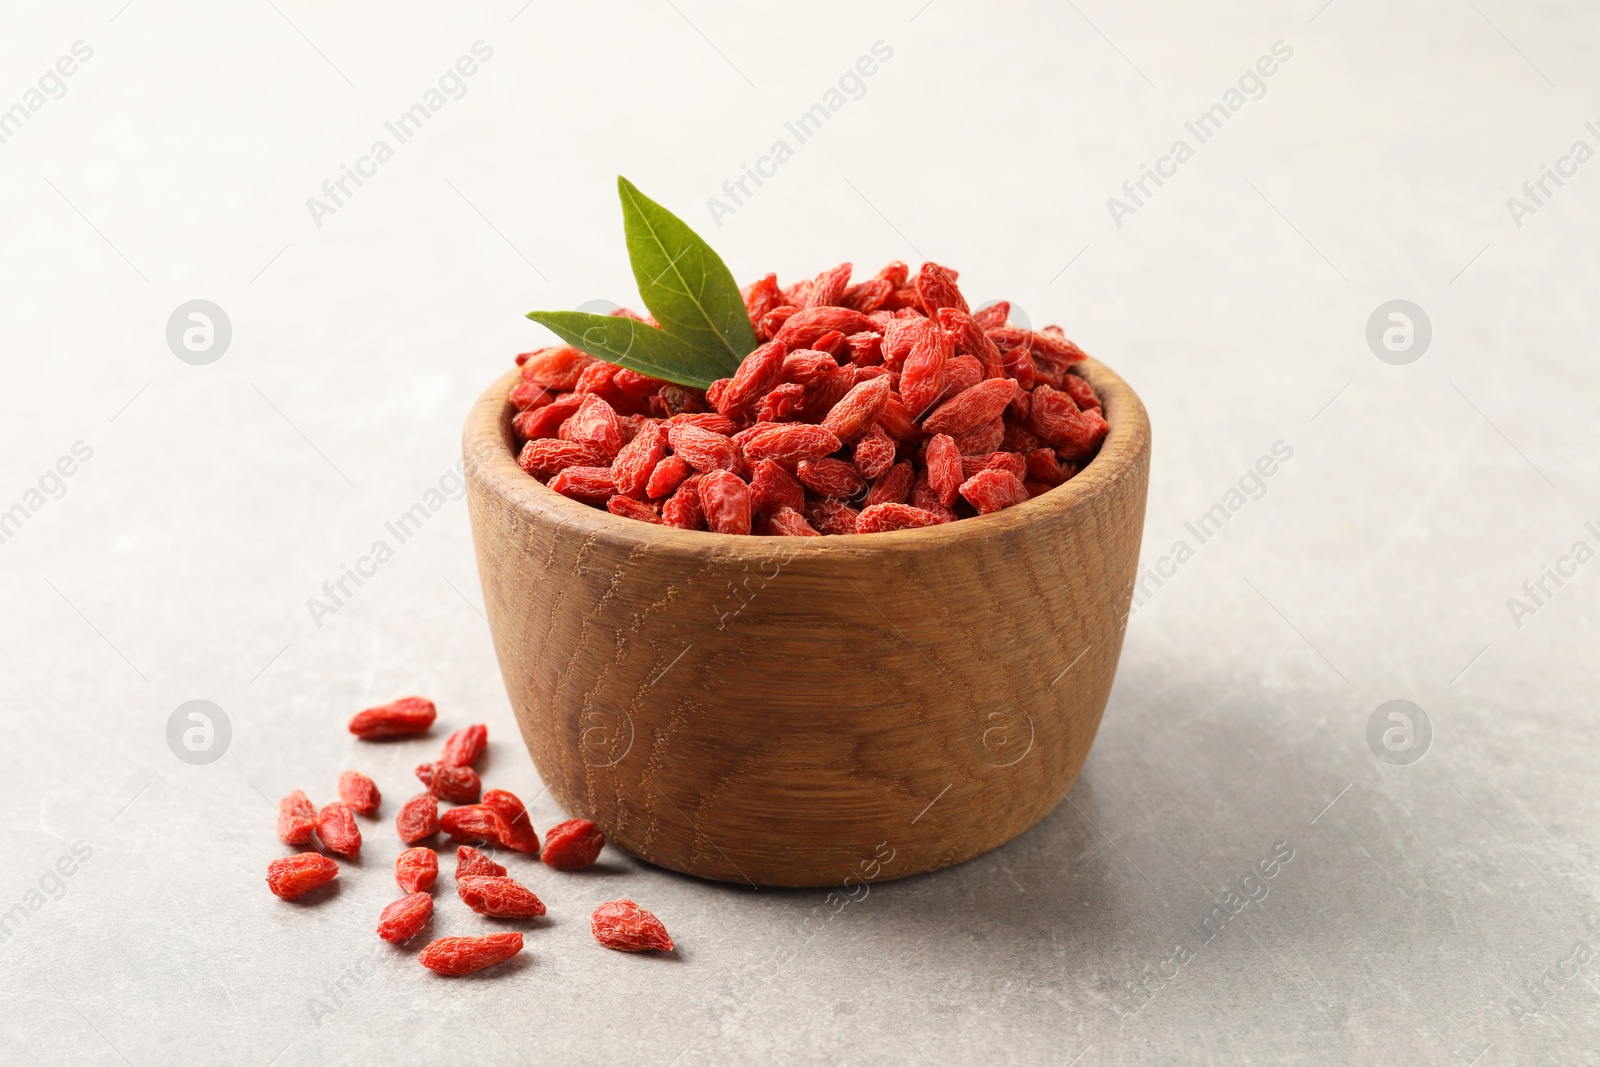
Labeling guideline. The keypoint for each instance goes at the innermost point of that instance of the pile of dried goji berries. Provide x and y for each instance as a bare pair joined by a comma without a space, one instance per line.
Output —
495,818
884,405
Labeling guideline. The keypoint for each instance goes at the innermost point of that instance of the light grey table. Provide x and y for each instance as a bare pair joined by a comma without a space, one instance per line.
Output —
1440,910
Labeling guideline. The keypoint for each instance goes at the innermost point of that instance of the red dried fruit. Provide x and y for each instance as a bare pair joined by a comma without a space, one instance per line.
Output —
936,288
924,497
417,869
781,402
631,383
895,273
868,296
831,516
922,378
455,956
623,925
294,876
705,451
399,718
449,782
897,422
475,822
338,829
859,409
757,373
1087,437
830,477
405,918
773,488
807,367
994,315
892,488
972,407
829,287
548,456
789,442
465,745
803,328
546,422
667,476
521,835
589,484
787,522
1050,344
944,468
1081,392
726,500
595,423
993,490
879,518
682,509
629,508
471,862
706,420
632,468
596,378
418,818
970,339
866,348
1005,461
760,298
771,323
874,453
1043,466
359,793
556,368
499,896
679,400
981,439
297,819
525,396
832,343
573,845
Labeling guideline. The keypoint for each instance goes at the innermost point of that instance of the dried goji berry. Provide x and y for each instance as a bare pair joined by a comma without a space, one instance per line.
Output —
338,829
895,273
970,339
596,378
450,782
521,835
294,876
679,400
705,420
418,818
828,288
783,401
874,453
830,477
682,509
892,488
297,819
1006,461
922,378
359,793
726,500
993,490
638,458
866,348
705,451
772,488
1043,466
465,745
858,409
667,476
589,484
623,925
475,822
525,396
981,439
831,516
867,296
595,423
936,288
546,422
972,407
771,323
399,718
573,845
547,456
757,373
470,862
787,522
924,497
1051,344
417,869
789,442
879,518
455,956
807,367
760,298
499,896
801,329
944,468
1081,392
405,918
629,508
897,422
995,314
832,343
556,368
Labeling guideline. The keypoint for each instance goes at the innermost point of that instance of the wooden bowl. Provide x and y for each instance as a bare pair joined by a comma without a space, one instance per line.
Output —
810,711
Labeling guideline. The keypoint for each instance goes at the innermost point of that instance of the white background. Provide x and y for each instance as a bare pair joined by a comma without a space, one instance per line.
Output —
1433,914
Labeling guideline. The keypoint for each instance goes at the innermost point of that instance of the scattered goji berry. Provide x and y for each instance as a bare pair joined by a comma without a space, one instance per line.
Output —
463,747
475,822
417,869
556,368
450,782
623,925
807,367
922,378
831,516
338,829
359,793
469,862
521,835
399,718
499,897
573,845
294,876
418,818
405,918
455,956
297,819
828,288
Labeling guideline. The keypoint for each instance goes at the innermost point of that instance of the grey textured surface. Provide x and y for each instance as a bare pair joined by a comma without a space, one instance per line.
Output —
1442,912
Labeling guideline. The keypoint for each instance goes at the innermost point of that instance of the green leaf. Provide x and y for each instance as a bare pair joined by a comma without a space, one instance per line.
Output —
685,284
636,345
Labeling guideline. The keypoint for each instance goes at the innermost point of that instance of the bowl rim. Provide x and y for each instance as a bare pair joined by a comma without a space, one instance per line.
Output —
489,452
